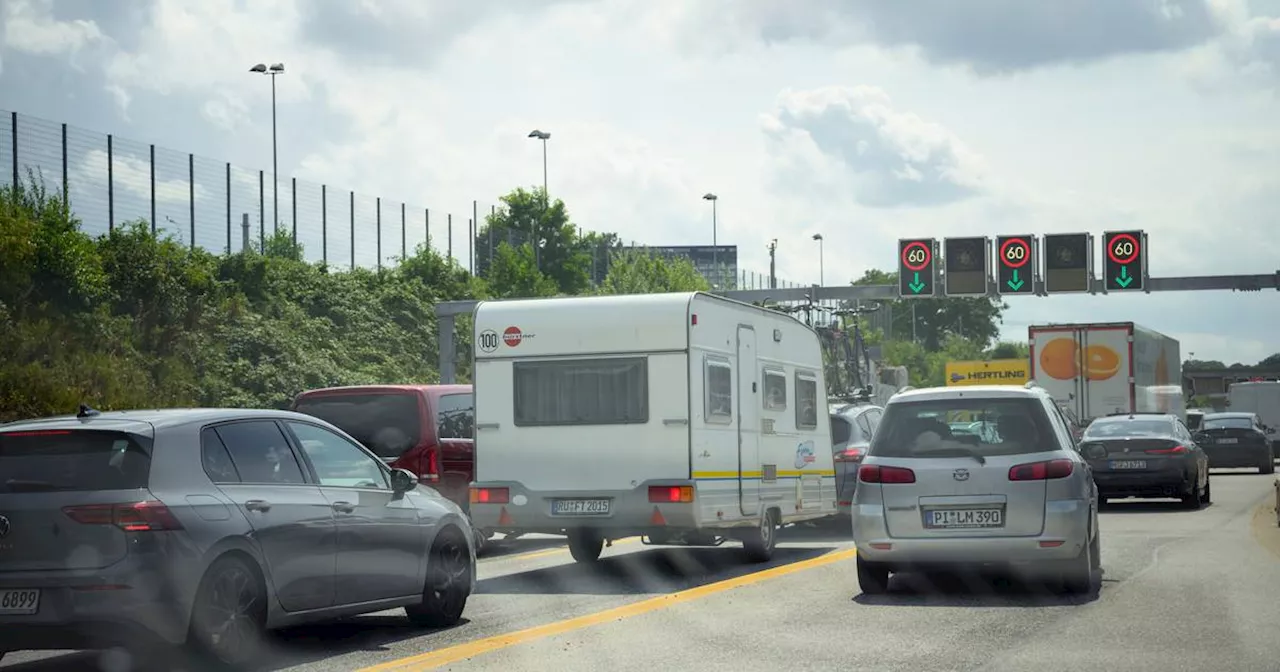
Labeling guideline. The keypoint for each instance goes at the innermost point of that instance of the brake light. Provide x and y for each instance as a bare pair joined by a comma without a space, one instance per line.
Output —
490,495
849,455
1041,471
874,473
148,516
45,432
432,472
1176,450
670,494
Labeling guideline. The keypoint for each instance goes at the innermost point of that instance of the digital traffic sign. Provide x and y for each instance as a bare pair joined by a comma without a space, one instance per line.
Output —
1068,262
966,266
915,267
1125,261
1015,265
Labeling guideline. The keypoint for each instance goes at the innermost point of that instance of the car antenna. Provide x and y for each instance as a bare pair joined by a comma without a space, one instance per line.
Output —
87,411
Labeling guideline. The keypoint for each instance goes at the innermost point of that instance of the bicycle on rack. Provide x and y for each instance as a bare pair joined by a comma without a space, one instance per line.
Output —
846,360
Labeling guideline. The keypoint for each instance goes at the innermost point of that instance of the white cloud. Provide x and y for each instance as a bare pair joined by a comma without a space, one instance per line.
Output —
28,26
133,174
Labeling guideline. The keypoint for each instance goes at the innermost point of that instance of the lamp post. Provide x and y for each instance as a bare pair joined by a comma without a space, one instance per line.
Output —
821,262
544,137
715,247
275,69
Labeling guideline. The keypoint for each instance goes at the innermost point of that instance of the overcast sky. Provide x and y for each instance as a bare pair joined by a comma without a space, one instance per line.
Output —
863,120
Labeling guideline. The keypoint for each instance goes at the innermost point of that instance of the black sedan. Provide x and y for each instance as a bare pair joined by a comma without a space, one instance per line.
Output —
1236,440
1146,455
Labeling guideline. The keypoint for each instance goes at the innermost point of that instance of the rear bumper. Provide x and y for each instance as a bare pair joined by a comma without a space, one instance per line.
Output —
630,511
1066,524
1152,484
1234,459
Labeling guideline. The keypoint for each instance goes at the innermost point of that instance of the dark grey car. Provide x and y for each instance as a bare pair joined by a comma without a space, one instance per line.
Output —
209,526
852,426
1233,440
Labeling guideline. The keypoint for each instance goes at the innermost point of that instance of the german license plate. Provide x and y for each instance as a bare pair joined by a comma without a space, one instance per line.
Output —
19,601
1128,464
580,507
1227,441
963,518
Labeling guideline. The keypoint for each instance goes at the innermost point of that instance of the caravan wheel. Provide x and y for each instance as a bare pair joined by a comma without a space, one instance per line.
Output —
585,545
760,542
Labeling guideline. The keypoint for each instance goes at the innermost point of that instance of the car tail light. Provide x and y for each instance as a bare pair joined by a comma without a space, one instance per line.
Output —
148,516
1176,450
849,455
432,470
874,473
671,494
490,495
43,432
1040,471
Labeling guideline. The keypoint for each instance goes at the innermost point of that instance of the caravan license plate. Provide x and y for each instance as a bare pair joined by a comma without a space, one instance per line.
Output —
963,518
580,507
1128,464
23,601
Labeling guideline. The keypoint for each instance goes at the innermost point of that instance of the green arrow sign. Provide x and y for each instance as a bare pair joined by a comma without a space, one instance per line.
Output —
1125,279
1015,284
915,285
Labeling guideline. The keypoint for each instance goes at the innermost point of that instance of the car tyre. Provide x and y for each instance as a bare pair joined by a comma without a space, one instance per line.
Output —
1207,497
1078,577
1268,467
585,545
229,615
1195,499
761,542
873,578
448,583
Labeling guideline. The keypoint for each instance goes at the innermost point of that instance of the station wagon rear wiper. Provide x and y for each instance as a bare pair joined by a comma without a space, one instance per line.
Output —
954,449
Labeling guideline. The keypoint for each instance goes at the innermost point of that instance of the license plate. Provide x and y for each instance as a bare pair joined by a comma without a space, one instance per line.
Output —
19,601
963,518
580,507
1128,464
1226,441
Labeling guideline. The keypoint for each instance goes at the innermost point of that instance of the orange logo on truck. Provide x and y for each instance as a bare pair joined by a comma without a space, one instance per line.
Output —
1063,359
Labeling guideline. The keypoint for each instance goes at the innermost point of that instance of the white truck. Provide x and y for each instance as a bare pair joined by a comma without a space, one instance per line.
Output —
683,418
1261,397
1099,369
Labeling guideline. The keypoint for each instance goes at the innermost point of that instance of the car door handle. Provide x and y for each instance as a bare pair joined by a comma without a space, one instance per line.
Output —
343,507
258,505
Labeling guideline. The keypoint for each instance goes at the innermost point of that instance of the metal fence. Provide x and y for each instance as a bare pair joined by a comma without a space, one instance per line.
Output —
109,180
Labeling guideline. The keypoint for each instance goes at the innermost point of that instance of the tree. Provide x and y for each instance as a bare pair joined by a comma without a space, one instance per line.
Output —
642,272
526,218
1009,350
513,274
975,319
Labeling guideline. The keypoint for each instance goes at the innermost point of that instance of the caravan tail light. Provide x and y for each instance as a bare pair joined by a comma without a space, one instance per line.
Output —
1041,471
874,473
670,494
490,495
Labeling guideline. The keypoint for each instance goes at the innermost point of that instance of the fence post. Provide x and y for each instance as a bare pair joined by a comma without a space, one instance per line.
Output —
153,190
475,232
295,213
471,255
404,236
191,195
353,230
262,212
229,208
493,213
324,224
111,186
378,202
426,220
66,188
13,131
449,232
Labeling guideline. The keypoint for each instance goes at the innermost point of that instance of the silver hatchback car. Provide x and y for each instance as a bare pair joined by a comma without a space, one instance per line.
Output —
1020,497
209,526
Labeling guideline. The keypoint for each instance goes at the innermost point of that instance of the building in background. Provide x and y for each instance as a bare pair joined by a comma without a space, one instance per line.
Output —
705,258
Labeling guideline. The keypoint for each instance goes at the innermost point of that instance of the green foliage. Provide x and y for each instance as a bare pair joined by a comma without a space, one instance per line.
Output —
975,319
642,272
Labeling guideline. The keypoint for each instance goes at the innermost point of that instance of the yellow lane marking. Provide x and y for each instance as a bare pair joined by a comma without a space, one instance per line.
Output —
530,555
453,654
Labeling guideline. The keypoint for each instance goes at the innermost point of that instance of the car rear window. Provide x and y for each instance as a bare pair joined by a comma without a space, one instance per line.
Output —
73,460
841,430
386,423
1194,421
924,428
1228,423
1105,429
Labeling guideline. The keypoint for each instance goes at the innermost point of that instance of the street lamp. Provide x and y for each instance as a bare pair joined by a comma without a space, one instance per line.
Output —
821,270
715,248
275,69
544,137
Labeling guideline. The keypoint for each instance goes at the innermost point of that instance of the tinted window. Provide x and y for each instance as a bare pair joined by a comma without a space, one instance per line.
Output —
215,459
455,416
612,391
387,424
775,390
864,425
260,452
841,430
806,401
1104,428
873,417
923,428
1228,423
1194,421
69,460
719,383
337,461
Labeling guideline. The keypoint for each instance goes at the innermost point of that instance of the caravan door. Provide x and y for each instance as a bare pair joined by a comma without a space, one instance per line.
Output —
748,423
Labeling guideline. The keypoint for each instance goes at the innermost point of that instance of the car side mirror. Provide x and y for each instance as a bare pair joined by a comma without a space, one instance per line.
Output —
1094,451
403,480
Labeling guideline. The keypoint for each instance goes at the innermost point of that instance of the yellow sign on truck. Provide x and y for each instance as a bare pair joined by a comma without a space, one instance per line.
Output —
992,372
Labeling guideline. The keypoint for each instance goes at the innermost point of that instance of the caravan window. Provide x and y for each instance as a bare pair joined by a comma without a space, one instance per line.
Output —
612,391
806,401
775,390
717,378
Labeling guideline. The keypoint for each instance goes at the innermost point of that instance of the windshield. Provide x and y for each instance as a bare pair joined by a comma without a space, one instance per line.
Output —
388,424
1105,429
987,427
72,460
1228,423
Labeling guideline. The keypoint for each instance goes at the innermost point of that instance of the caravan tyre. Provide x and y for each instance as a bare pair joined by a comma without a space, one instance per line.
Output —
760,542
585,545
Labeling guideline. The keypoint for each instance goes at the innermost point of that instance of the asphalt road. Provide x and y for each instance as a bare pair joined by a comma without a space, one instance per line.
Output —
1182,591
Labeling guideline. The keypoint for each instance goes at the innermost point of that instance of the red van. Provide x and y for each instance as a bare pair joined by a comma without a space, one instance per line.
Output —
427,429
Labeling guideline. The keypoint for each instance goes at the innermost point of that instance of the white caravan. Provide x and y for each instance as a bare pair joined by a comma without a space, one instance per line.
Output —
685,418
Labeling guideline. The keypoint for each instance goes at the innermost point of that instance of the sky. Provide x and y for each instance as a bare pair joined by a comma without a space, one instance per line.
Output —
863,120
